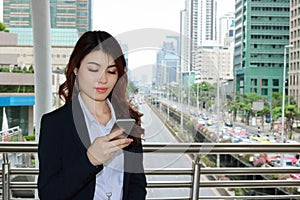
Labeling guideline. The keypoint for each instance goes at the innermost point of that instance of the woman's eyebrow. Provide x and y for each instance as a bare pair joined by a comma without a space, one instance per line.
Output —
113,65
95,63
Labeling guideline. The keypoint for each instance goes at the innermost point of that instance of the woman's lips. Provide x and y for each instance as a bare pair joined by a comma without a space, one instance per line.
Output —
101,90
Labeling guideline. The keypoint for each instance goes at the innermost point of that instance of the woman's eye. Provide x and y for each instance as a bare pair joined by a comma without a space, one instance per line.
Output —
93,70
112,72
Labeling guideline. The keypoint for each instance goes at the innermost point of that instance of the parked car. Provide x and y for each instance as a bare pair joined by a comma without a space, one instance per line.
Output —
228,123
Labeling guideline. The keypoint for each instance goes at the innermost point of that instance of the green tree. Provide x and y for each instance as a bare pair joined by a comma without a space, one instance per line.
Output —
244,103
3,27
291,114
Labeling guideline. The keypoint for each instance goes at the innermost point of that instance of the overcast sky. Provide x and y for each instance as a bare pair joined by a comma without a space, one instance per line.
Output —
120,17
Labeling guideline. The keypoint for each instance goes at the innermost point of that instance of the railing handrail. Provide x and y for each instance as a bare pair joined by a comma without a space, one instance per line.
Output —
197,149
189,171
189,148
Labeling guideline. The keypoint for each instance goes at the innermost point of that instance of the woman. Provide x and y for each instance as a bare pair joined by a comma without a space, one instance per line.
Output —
81,156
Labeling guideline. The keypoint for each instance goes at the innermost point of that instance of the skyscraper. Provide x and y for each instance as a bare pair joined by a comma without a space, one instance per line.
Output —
261,32
63,13
207,20
294,69
198,25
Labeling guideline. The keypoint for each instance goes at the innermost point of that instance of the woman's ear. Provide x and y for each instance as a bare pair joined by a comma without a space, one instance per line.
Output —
75,71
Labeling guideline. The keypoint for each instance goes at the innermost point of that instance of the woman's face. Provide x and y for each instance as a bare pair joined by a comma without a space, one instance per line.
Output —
97,76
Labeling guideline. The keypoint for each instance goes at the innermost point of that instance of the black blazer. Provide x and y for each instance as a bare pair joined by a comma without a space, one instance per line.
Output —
66,172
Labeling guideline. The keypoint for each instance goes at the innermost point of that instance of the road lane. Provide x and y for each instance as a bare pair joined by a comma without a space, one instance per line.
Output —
156,131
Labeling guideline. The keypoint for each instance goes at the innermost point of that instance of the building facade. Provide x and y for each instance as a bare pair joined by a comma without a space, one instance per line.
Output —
16,86
167,62
294,67
214,61
262,31
63,14
198,26
207,20
226,30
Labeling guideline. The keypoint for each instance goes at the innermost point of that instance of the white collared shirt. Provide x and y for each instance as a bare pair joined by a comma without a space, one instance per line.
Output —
110,179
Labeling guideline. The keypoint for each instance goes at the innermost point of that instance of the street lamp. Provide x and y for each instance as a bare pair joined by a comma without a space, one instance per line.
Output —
283,95
283,91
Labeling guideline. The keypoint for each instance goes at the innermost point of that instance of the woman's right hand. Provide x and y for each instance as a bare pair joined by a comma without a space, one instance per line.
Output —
104,148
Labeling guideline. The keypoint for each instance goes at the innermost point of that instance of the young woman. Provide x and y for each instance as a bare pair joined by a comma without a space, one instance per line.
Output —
81,156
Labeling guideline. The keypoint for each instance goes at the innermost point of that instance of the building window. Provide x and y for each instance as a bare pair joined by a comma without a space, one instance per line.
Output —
264,82
264,91
275,82
254,82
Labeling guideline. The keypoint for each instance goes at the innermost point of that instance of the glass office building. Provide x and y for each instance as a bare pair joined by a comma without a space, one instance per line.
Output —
64,14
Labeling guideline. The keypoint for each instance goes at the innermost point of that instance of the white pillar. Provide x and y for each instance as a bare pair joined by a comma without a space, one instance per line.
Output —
42,59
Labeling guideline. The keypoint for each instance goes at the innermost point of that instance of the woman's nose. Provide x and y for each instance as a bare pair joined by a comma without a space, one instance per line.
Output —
102,77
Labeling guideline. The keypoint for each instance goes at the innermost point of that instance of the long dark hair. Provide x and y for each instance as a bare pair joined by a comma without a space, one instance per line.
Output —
101,40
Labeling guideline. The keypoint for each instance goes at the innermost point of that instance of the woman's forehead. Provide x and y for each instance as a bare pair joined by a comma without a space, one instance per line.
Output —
100,57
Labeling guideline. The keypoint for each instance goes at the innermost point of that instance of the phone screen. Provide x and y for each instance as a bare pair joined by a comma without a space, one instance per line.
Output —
126,124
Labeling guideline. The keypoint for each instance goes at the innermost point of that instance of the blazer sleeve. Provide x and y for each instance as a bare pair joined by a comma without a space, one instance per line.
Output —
55,181
137,181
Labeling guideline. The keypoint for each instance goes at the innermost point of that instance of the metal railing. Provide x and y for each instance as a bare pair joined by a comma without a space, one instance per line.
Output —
195,149
6,135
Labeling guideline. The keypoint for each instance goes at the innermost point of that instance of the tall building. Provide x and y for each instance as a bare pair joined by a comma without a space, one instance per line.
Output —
63,13
198,26
213,62
167,62
189,31
226,29
294,67
262,31
207,20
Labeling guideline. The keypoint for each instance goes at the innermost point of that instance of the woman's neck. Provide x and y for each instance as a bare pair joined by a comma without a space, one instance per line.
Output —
99,109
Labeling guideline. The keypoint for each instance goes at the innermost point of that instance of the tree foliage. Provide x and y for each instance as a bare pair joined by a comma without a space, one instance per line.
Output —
3,27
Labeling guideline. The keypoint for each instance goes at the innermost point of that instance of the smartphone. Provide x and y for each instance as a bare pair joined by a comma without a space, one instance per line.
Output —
126,124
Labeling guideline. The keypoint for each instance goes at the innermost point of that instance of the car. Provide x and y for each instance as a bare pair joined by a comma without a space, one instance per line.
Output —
201,121
204,116
235,139
272,158
295,176
237,130
228,123
209,122
245,138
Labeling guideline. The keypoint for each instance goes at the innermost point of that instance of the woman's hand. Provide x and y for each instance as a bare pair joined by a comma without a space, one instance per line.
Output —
104,148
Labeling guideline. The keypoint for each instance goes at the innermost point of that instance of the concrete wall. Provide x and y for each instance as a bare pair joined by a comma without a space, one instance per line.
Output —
8,39
7,78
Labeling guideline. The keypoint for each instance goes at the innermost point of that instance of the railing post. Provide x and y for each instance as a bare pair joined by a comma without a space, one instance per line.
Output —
196,178
5,177
20,134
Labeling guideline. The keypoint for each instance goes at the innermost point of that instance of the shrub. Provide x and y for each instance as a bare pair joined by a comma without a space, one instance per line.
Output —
29,137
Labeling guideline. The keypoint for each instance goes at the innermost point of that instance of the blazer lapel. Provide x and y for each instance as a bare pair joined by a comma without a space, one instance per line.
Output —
126,175
79,122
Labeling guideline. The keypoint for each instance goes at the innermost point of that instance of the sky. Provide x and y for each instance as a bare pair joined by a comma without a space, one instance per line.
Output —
125,17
